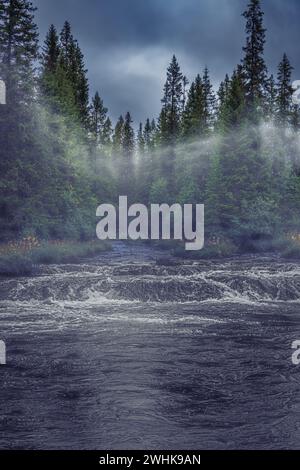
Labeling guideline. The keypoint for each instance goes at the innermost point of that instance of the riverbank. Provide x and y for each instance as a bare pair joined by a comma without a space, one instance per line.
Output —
287,247
23,257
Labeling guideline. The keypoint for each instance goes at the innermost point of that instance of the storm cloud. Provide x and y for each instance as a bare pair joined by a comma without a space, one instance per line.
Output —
129,43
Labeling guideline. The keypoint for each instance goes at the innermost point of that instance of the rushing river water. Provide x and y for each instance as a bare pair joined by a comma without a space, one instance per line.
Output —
128,351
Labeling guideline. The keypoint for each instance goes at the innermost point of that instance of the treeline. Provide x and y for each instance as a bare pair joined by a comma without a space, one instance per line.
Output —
235,150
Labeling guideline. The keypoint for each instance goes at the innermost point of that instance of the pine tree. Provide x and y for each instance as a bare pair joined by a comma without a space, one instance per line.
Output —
128,143
18,49
118,138
255,70
172,104
66,44
98,117
52,73
72,61
18,162
126,167
194,121
147,135
140,140
81,85
51,51
223,91
284,91
187,117
106,136
209,103
233,112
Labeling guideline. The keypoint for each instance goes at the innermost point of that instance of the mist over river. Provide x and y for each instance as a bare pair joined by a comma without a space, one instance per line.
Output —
131,351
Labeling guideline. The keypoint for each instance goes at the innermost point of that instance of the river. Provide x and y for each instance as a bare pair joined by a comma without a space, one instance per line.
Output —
134,350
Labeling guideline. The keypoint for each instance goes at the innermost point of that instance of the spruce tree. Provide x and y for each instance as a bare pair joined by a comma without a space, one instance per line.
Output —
233,112
118,138
18,161
194,120
106,135
222,93
98,117
209,103
128,144
66,44
140,140
81,85
284,91
18,49
72,62
147,135
126,166
51,51
172,104
254,67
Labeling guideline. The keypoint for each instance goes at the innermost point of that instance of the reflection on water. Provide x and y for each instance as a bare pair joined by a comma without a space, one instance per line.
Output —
126,352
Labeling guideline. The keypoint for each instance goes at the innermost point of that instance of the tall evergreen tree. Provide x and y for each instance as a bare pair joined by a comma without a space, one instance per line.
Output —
51,50
209,103
128,143
169,122
106,136
72,62
284,91
81,85
66,44
118,138
147,135
172,104
194,121
255,70
18,49
223,91
233,112
126,164
98,116
96,128
18,55
140,140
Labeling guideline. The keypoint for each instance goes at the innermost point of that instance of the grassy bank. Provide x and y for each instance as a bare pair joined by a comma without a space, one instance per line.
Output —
213,248
22,258
287,247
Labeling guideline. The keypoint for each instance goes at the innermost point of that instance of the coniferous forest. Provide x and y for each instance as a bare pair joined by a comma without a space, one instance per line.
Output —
235,149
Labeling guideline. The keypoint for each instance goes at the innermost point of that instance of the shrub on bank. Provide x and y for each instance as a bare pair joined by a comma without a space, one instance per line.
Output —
20,258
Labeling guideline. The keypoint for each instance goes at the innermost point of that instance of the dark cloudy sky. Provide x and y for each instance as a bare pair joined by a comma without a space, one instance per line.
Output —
129,43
